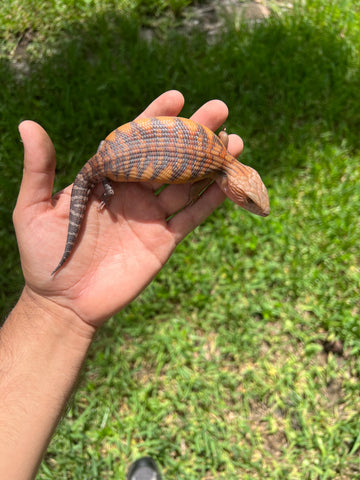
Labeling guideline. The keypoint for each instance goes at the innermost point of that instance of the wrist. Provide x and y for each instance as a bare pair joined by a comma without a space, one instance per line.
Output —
44,314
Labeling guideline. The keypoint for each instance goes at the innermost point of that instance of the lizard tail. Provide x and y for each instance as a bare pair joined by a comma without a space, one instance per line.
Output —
79,196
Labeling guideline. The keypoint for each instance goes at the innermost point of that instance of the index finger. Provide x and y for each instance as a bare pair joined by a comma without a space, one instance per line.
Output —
169,103
212,114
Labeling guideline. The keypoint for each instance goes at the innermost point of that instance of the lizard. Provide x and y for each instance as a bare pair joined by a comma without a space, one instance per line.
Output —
166,150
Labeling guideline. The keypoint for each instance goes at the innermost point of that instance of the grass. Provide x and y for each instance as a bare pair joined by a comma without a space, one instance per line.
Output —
226,366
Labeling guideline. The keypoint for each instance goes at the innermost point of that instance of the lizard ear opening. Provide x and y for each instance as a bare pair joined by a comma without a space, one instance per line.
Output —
247,191
232,190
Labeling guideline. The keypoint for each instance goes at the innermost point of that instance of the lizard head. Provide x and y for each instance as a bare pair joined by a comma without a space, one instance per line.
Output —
243,185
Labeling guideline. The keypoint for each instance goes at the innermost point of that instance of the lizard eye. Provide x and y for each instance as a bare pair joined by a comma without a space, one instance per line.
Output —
250,201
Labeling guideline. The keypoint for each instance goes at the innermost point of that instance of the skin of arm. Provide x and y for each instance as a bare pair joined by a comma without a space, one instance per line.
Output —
45,339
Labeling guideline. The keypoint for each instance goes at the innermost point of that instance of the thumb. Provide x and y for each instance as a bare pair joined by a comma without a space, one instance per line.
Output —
39,165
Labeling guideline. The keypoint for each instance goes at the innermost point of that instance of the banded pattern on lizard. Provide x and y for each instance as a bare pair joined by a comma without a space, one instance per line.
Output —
165,150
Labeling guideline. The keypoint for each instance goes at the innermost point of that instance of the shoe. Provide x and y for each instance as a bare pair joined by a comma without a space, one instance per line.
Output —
143,469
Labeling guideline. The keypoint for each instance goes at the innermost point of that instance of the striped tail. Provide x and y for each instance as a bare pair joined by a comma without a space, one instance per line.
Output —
79,197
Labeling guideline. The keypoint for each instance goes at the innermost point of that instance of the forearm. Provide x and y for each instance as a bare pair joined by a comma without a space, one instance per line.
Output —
42,349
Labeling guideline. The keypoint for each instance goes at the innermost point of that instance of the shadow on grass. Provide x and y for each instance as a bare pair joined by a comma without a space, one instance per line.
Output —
286,82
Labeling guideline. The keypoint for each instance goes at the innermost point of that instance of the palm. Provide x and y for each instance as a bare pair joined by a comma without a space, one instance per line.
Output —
100,267
119,249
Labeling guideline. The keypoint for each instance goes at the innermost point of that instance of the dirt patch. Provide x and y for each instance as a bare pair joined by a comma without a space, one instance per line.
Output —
210,17
213,16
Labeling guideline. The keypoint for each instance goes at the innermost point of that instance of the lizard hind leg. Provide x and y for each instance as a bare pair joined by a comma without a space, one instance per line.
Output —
108,193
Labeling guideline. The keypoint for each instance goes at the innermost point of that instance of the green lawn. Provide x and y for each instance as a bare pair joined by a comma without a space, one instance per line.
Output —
241,360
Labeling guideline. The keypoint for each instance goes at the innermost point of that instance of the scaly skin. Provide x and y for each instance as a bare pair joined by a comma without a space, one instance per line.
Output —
165,150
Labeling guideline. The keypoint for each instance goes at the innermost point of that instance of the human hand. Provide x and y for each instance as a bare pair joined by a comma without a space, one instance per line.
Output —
120,249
